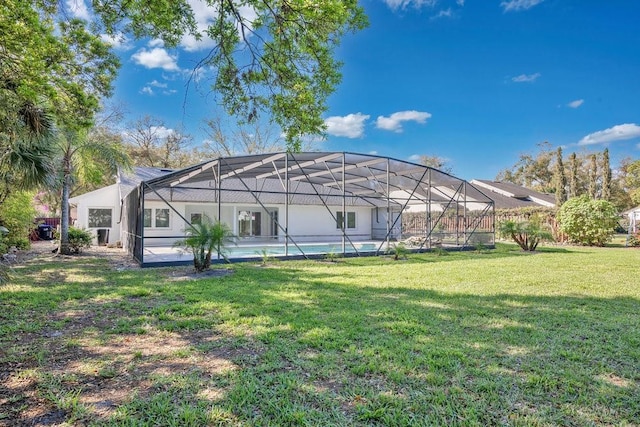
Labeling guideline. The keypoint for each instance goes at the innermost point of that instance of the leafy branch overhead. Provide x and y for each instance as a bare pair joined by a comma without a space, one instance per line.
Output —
274,57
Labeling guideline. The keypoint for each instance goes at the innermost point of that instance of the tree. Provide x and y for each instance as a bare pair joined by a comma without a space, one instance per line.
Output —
593,177
83,157
588,221
435,162
16,214
267,56
532,171
527,234
606,175
52,62
631,179
248,139
150,143
559,179
573,175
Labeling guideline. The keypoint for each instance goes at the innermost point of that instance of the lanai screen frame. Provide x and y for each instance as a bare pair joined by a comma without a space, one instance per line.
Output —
328,177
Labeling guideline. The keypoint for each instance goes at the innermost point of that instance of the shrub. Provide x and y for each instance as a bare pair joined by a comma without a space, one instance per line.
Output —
203,238
79,239
527,234
399,251
587,221
633,240
16,214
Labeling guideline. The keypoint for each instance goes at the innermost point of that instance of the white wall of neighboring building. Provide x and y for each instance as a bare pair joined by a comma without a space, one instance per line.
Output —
634,220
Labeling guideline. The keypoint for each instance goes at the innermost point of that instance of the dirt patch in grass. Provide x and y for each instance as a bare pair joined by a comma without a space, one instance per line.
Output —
80,371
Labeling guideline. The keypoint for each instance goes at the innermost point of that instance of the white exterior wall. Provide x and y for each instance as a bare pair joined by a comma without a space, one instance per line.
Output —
314,223
306,223
104,198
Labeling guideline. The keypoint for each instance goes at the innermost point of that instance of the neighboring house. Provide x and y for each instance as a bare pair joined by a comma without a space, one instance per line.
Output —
634,219
287,203
507,195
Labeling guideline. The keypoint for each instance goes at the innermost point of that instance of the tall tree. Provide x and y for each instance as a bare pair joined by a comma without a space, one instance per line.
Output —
80,154
559,179
247,139
150,143
593,177
630,171
435,162
268,56
532,171
606,175
573,175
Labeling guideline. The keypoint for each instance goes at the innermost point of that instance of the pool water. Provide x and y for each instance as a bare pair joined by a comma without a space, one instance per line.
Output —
304,249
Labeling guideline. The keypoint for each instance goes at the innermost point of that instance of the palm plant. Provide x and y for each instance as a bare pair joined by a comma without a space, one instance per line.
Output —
527,234
84,158
25,149
203,238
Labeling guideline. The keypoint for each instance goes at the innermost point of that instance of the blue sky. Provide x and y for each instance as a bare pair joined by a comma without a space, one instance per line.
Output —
477,82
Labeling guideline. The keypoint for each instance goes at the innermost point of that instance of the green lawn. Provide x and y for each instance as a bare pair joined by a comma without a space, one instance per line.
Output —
495,338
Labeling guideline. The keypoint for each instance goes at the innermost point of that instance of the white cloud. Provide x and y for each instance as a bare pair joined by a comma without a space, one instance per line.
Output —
460,3
157,57
161,131
156,83
373,153
147,91
169,91
575,104
118,42
515,5
205,16
526,78
414,158
616,133
350,126
79,9
394,121
156,43
443,14
404,4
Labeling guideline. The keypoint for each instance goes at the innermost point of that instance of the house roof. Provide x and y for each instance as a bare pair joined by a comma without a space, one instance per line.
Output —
128,180
76,199
635,210
508,195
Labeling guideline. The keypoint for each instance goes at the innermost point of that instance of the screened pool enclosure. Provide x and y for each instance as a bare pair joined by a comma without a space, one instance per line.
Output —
305,205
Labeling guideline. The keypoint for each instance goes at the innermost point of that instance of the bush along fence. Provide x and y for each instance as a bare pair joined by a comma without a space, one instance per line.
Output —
546,216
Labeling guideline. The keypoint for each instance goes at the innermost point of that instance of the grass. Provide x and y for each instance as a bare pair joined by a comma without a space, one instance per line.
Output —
476,338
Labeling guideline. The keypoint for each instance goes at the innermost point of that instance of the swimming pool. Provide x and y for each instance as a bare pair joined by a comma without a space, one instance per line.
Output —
301,249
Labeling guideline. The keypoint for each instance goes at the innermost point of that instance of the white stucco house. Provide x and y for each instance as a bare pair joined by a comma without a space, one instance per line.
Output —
291,204
634,219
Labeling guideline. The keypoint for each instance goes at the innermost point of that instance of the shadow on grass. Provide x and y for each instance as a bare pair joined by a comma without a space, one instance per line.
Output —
308,348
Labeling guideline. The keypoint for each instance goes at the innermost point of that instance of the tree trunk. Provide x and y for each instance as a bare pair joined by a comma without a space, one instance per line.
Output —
64,248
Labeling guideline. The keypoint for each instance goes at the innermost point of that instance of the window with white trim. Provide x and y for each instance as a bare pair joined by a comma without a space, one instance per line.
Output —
100,217
351,219
156,218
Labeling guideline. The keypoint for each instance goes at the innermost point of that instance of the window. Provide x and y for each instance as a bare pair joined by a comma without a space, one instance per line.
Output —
100,217
147,218
249,223
196,218
162,218
351,219
159,220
